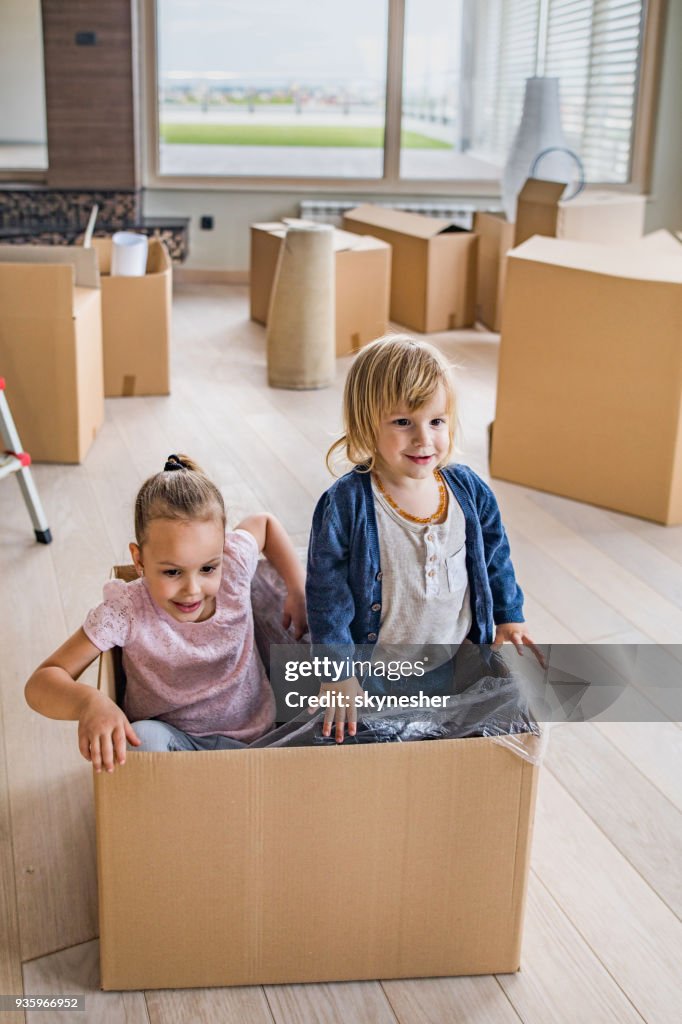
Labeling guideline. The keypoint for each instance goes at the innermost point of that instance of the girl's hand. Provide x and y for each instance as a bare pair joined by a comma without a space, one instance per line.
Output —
517,634
102,732
295,614
343,710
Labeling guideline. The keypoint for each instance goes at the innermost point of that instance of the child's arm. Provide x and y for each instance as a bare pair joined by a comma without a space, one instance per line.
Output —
331,608
273,541
331,605
507,595
53,691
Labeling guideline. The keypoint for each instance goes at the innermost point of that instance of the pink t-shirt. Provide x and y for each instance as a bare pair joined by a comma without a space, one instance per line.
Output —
202,677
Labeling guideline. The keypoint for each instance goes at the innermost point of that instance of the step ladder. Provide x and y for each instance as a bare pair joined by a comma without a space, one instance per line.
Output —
13,460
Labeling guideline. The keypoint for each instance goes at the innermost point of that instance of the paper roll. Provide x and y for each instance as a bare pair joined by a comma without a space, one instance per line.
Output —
301,318
128,254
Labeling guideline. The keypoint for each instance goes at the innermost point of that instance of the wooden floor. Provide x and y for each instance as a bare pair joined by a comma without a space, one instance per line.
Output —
603,938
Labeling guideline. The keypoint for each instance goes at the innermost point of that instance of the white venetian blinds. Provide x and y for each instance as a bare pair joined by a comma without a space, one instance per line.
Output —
592,46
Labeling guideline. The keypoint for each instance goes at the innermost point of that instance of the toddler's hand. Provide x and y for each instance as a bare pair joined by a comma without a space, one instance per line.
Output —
517,634
295,613
343,710
102,732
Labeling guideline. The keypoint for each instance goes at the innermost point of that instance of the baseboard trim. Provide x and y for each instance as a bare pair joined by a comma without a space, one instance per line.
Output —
190,275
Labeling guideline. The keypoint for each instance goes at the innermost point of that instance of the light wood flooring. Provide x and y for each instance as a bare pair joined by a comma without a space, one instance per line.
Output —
603,938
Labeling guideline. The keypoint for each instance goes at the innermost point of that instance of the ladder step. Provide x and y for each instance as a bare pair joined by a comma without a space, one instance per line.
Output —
9,464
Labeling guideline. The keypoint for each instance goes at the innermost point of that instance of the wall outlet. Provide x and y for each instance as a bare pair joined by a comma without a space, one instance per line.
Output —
206,223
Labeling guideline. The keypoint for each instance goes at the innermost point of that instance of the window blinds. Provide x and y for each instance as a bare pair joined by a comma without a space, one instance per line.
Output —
592,46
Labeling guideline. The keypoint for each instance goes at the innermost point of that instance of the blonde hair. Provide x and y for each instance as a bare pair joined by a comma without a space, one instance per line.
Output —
180,491
392,371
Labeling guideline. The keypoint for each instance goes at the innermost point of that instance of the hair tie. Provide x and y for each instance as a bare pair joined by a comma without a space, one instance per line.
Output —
173,462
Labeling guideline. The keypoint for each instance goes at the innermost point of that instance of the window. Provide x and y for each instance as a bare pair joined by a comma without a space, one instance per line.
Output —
294,89
23,132
400,93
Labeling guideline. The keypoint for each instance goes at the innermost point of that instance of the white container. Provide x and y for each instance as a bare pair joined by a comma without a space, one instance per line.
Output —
128,254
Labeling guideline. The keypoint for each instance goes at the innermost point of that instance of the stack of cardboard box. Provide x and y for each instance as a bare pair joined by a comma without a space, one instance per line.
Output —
606,217
420,271
69,336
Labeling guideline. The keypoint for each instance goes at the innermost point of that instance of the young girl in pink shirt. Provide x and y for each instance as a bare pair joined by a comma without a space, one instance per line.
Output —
194,680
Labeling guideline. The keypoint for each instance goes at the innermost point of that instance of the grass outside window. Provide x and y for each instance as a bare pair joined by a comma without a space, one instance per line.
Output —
365,137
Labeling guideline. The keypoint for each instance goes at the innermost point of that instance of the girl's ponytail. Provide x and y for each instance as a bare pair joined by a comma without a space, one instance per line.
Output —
180,491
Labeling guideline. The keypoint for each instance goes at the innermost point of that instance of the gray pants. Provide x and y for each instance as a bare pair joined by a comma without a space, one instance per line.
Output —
157,735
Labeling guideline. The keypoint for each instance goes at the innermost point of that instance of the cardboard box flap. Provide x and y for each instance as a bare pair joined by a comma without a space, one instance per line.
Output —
158,259
398,220
537,209
345,241
342,241
271,225
84,261
536,190
299,222
641,261
364,242
82,298
602,197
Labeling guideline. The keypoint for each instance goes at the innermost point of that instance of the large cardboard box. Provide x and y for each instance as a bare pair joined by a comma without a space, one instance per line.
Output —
136,323
589,397
433,275
363,276
51,348
272,866
594,216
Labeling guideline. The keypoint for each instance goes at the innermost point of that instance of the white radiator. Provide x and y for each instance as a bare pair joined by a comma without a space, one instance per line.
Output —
331,211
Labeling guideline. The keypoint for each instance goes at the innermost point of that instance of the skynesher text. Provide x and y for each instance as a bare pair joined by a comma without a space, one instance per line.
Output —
367,701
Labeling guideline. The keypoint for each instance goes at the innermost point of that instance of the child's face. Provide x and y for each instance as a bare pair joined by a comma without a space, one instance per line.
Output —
182,563
413,443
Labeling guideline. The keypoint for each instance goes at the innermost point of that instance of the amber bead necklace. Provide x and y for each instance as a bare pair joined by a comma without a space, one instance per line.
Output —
423,520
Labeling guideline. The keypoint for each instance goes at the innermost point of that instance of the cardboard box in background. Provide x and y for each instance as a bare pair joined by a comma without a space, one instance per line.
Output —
594,216
51,348
433,275
363,275
610,218
589,396
495,239
136,324
536,214
217,868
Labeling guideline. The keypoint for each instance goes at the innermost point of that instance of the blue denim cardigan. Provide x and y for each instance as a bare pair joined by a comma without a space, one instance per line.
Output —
343,584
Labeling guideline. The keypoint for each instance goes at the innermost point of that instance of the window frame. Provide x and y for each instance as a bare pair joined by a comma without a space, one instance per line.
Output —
391,184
